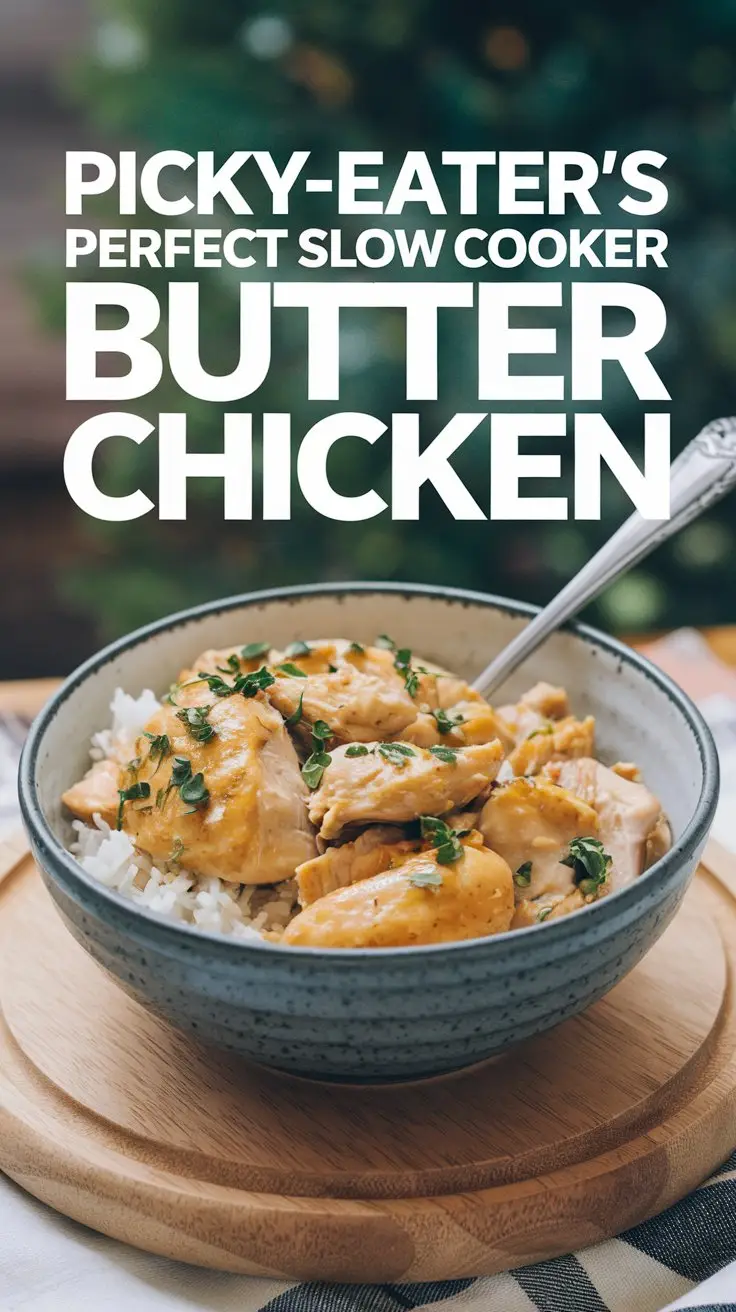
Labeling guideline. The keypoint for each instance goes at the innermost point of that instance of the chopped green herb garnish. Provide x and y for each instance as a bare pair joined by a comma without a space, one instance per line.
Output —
173,689
292,670
446,754
395,753
231,666
248,685
131,794
523,876
160,747
332,668
426,876
357,649
181,770
542,915
446,723
294,719
215,683
356,749
544,732
443,837
384,641
589,862
196,722
314,767
298,649
194,792
402,663
252,651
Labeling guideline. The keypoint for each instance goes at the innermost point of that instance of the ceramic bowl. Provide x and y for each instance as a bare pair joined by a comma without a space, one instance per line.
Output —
393,1013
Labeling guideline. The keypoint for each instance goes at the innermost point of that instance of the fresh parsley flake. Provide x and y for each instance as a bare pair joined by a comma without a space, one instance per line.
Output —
446,723
215,683
356,749
542,915
160,747
402,663
132,794
181,770
357,649
523,876
194,718
316,764
295,718
443,837
248,685
384,641
543,732
231,666
298,649
194,792
253,651
292,670
589,862
446,754
314,767
395,753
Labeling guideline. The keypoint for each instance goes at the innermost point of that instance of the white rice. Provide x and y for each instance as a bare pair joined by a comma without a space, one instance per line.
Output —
168,890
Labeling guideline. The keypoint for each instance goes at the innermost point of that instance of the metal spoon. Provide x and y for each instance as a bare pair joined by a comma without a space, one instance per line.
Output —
702,473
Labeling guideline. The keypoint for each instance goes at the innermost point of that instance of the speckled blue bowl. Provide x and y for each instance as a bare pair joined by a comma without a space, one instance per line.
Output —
393,1013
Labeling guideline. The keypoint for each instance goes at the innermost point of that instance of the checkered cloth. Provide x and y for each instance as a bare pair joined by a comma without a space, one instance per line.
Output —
682,1258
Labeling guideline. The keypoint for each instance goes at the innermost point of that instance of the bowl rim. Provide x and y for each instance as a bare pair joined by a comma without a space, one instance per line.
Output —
53,851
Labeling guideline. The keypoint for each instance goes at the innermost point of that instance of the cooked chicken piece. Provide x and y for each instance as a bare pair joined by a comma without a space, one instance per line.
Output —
418,902
530,823
627,812
534,711
96,794
659,841
558,741
547,908
375,850
386,784
222,661
323,656
358,707
253,829
471,722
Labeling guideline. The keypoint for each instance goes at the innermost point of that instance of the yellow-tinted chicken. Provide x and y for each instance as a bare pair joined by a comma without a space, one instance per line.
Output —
396,782
229,803
418,902
531,822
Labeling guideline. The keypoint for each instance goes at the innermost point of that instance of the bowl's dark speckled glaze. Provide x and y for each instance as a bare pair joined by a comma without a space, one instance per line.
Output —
392,1013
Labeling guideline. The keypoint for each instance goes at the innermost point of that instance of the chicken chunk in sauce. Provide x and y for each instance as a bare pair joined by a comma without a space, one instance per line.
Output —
396,782
238,812
418,902
530,824
380,792
627,813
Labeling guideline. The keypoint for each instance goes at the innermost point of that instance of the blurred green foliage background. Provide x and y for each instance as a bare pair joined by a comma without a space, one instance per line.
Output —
394,75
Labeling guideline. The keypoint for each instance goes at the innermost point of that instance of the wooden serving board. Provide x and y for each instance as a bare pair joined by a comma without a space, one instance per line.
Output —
124,1124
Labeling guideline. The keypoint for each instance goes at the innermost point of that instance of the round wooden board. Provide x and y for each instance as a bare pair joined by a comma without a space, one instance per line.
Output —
130,1127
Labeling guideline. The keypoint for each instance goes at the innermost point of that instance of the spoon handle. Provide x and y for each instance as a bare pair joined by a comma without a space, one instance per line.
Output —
700,476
